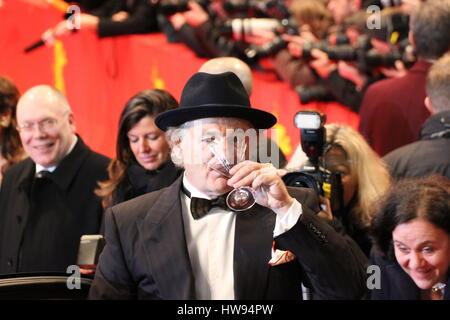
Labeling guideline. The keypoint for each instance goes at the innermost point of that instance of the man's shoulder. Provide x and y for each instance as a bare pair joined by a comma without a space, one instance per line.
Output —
419,158
403,152
97,158
19,168
389,86
140,206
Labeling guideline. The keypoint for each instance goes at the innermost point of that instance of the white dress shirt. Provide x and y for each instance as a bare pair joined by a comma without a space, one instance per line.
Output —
210,242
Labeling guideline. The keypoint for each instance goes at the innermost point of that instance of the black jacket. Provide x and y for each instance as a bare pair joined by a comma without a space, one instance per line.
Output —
141,17
428,156
396,284
42,219
139,181
146,256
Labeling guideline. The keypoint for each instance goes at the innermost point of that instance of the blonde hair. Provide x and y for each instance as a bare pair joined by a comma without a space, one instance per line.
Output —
366,167
312,13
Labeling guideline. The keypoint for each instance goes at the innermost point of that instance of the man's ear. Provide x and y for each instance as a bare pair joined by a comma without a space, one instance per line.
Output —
72,123
429,105
176,152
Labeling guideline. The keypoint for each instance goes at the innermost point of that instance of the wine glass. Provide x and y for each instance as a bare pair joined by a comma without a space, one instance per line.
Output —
239,199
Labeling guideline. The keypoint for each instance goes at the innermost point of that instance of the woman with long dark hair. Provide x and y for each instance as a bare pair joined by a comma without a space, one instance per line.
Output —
11,150
142,162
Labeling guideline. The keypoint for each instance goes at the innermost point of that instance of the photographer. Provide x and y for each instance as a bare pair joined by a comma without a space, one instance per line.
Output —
393,110
112,18
224,28
363,179
346,71
313,20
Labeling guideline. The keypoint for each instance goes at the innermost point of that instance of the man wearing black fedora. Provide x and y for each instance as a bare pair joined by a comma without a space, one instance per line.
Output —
187,241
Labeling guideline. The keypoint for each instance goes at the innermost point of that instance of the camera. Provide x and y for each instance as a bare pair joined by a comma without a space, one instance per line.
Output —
311,93
313,174
170,8
257,8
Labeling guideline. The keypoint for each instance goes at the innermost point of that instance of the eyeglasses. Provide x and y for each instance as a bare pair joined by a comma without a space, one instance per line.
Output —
43,125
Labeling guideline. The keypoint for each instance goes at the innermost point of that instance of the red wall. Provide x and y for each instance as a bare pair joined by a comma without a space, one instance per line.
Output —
99,75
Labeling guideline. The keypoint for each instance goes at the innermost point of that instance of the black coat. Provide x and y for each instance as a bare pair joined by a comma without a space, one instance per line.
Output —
139,181
146,256
42,219
141,17
428,156
396,284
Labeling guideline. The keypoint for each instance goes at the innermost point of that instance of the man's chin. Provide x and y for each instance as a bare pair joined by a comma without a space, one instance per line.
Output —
46,162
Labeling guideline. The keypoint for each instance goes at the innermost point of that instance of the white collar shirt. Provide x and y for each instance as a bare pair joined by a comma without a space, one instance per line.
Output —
210,243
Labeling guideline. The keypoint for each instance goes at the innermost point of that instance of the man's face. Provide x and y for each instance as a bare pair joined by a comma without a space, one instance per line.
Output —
46,131
204,147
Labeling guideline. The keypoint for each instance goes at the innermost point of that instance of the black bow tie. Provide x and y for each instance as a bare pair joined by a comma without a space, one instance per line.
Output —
43,174
200,207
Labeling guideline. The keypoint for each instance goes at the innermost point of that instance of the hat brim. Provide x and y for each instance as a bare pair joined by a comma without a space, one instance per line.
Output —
258,118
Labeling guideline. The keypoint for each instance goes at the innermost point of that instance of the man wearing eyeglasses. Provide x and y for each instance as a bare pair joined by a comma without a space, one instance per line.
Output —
47,201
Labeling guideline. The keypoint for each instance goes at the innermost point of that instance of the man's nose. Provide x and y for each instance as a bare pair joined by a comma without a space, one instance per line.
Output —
39,132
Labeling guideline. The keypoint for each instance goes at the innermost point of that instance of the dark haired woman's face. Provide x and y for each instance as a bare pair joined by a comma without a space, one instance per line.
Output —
148,144
5,119
423,251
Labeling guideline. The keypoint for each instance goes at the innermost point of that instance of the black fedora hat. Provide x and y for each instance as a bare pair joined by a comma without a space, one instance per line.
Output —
214,95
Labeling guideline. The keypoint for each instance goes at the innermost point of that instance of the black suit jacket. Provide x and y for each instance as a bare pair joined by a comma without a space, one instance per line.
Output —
395,283
146,256
41,220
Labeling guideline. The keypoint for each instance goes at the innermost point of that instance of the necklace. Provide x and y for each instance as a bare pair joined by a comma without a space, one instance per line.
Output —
438,289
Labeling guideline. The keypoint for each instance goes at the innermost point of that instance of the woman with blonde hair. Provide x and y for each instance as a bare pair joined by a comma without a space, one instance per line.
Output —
364,178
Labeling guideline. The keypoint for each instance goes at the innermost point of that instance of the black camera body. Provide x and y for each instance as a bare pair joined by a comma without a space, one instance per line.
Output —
258,8
170,8
312,174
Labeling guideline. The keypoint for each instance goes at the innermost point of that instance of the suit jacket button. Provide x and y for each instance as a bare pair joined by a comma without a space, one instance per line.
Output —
10,262
19,219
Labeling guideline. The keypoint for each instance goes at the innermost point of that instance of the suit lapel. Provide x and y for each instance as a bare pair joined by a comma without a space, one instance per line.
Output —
165,245
252,252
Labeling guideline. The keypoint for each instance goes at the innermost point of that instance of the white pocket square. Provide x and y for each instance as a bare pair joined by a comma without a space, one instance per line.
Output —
280,257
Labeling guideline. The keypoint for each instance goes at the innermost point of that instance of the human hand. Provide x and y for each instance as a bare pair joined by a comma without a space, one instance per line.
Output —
321,63
89,21
177,20
264,179
326,212
350,72
196,15
257,37
120,16
295,45
398,71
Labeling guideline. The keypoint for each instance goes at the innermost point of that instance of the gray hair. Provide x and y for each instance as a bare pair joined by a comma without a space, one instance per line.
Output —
260,148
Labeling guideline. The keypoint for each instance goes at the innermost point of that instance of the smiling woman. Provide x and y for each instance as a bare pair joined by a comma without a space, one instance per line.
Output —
142,162
412,237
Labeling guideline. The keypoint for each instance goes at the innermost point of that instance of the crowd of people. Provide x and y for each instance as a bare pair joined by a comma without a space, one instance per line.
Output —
190,206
